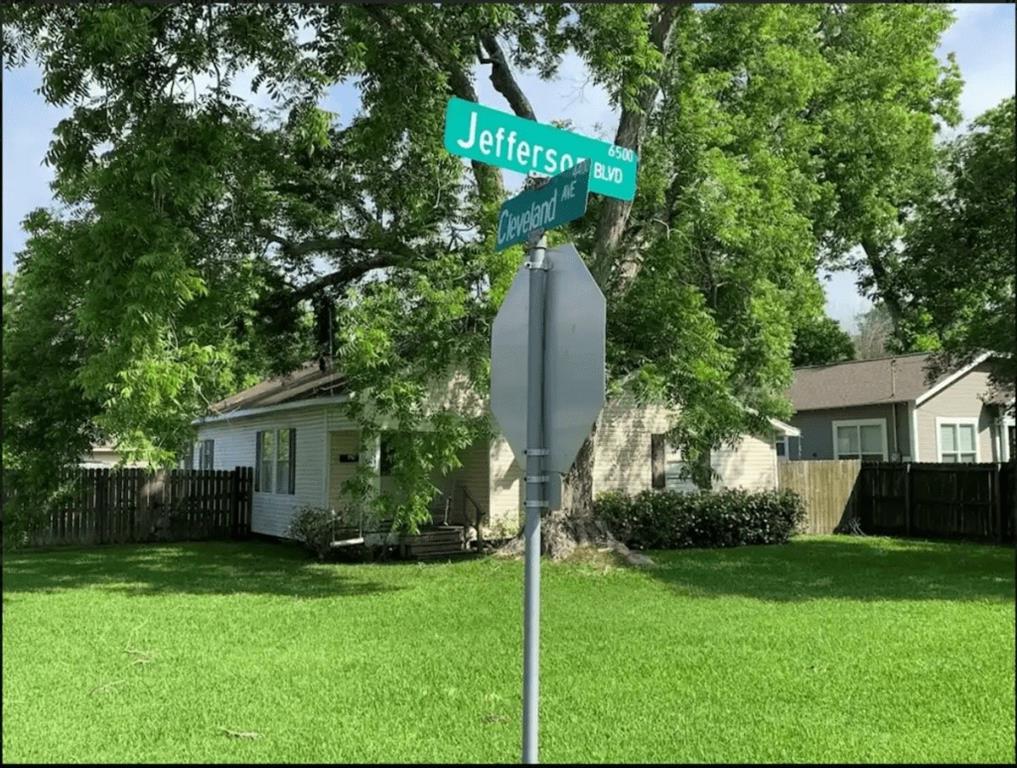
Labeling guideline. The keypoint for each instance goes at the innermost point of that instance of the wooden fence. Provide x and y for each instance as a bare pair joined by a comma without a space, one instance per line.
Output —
826,487
104,506
965,501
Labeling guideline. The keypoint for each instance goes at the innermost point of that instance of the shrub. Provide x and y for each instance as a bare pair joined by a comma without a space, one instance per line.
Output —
314,528
729,518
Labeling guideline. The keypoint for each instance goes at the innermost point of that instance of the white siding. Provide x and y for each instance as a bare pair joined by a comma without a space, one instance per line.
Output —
622,461
962,399
621,455
752,464
506,491
235,446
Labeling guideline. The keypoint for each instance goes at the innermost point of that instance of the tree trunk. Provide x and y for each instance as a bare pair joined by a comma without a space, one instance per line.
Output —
574,525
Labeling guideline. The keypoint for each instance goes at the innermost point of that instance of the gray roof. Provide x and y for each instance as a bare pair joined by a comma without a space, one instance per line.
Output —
306,382
861,382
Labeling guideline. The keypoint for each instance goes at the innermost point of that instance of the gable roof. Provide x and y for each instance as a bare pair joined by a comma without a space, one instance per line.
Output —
307,382
895,379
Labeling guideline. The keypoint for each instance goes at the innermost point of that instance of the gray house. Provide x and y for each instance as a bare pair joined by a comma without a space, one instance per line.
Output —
887,409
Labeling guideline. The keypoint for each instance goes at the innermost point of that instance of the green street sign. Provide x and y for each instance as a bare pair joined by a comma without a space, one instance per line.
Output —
560,200
498,138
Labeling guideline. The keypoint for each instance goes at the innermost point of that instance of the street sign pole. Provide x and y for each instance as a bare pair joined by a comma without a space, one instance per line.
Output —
536,493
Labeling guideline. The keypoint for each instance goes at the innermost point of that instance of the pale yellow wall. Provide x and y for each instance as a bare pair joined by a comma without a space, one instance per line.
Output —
622,460
959,399
472,475
622,448
340,442
455,393
751,464
506,493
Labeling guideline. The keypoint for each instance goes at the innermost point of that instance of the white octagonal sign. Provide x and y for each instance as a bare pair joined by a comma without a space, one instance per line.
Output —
575,321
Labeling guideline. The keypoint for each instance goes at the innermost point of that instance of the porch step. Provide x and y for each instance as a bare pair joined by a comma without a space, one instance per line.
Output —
434,542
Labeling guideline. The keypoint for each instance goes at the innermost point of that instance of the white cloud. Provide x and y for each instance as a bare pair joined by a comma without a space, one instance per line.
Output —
982,38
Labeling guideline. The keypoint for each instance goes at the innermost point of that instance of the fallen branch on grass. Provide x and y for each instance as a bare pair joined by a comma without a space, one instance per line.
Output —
240,734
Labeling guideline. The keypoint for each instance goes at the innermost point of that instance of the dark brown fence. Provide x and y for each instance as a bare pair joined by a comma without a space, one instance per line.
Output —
111,506
964,501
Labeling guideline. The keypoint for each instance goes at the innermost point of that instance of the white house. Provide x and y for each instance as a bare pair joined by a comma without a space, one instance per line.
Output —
293,431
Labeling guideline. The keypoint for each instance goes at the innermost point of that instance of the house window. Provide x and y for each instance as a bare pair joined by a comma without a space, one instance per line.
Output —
676,477
1009,440
275,470
780,445
958,440
187,457
282,461
387,456
206,454
863,439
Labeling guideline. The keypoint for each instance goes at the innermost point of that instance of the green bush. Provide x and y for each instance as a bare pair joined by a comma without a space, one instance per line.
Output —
314,527
730,518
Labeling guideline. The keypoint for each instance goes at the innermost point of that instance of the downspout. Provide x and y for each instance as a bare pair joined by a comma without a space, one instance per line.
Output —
997,440
893,394
896,446
913,421
326,463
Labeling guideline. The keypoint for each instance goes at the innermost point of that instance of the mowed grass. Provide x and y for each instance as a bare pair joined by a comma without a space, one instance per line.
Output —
828,649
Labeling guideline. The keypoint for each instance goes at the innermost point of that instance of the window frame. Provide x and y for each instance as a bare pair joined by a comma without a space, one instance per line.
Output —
386,454
277,475
858,424
1007,423
782,439
270,485
955,421
206,450
673,464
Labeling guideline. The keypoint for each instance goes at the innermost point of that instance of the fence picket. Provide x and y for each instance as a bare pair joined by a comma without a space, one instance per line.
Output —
970,501
102,506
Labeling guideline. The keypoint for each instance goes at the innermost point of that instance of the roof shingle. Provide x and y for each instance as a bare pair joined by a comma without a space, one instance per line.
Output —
861,382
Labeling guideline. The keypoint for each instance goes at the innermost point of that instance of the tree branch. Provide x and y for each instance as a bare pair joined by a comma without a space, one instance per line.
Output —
503,79
429,48
614,214
887,292
347,274
342,243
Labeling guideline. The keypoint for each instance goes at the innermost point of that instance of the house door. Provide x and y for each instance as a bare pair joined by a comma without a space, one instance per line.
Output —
344,458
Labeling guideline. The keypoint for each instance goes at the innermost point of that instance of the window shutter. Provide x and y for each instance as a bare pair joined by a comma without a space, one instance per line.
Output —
257,461
293,461
657,461
210,453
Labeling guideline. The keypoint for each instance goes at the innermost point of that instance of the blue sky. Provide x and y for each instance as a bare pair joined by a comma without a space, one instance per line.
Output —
982,38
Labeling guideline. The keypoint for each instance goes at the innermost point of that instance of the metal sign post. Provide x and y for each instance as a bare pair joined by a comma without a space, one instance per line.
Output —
547,387
536,494
548,339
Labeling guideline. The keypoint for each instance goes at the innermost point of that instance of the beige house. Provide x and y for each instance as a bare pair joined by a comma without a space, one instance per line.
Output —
104,456
888,409
292,430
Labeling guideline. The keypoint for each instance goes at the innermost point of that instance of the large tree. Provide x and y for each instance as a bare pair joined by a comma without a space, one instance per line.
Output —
820,342
771,138
958,257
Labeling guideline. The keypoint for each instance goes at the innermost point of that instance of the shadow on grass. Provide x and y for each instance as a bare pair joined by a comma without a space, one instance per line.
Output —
200,568
844,568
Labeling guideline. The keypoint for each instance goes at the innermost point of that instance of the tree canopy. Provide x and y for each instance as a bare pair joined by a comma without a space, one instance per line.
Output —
772,139
820,342
958,258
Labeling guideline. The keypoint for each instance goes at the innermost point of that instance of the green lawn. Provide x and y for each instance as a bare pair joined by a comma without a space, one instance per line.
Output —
828,649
